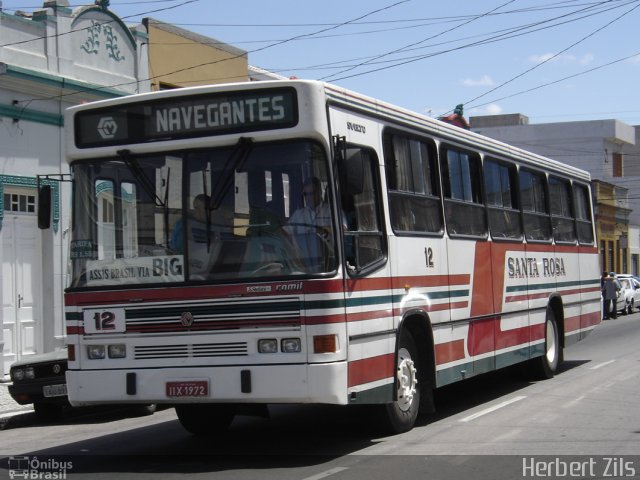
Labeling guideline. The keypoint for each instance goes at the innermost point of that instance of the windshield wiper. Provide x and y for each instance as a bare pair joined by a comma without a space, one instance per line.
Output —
148,186
233,163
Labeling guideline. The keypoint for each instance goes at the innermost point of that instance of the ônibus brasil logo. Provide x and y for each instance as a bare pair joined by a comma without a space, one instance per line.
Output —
107,128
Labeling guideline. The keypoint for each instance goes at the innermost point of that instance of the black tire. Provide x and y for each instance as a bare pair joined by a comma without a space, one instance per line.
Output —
47,412
400,415
205,419
145,410
630,308
546,366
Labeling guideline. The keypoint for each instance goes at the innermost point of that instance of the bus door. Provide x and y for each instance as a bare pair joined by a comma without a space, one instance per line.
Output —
367,284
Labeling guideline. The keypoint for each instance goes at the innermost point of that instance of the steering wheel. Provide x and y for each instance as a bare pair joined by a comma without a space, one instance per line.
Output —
267,268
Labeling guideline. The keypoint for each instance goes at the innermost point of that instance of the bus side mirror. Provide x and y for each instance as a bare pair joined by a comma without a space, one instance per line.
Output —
44,207
352,172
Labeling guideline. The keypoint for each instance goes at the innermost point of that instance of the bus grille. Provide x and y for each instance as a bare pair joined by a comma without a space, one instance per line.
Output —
231,349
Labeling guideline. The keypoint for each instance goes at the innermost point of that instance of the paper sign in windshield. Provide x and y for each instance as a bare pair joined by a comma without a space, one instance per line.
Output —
121,271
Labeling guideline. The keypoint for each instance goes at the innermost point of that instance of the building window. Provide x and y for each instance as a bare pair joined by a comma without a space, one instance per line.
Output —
618,165
20,202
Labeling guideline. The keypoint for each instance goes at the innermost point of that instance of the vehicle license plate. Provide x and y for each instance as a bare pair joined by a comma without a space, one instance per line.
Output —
193,388
54,390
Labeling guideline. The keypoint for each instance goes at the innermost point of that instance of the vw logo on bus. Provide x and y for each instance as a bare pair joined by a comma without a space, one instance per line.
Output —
186,319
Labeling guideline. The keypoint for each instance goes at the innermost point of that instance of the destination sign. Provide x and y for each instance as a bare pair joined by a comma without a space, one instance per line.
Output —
187,117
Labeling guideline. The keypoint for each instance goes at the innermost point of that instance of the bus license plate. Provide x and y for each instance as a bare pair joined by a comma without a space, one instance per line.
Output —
194,388
54,390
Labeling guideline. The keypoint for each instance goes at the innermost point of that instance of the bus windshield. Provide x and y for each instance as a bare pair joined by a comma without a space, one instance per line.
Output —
220,214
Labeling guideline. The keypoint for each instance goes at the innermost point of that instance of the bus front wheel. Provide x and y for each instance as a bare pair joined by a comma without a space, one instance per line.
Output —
205,419
400,415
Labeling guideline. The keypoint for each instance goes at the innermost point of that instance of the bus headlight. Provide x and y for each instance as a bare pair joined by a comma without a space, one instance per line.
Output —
291,345
268,345
96,352
117,351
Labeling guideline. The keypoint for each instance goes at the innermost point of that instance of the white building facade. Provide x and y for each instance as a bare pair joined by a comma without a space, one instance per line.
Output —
49,60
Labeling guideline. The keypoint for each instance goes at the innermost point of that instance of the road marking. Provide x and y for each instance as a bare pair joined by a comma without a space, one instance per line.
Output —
493,409
600,365
573,402
327,473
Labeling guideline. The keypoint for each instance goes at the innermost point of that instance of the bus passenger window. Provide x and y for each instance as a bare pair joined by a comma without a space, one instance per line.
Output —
464,210
537,226
582,202
500,183
561,211
412,180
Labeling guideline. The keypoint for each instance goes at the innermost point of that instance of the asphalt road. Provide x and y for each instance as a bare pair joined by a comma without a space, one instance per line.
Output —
485,427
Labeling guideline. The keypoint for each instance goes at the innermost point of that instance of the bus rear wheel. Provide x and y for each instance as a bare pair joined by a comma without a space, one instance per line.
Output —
400,415
205,419
546,366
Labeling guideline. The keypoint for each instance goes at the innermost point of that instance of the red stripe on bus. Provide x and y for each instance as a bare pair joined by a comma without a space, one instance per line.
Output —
371,369
449,351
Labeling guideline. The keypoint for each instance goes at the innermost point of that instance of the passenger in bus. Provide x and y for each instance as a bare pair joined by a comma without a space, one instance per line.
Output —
310,225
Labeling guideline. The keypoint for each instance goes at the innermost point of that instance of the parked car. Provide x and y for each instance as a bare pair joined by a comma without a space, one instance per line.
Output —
40,379
629,294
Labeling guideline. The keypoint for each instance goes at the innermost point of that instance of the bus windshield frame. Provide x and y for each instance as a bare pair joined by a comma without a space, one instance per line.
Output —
220,214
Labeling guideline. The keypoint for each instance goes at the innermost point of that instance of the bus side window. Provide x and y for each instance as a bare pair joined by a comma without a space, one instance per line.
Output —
363,236
582,202
562,216
500,184
412,181
533,192
463,207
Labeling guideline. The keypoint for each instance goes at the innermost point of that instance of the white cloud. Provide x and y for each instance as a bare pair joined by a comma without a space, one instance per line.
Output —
586,59
493,109
484,81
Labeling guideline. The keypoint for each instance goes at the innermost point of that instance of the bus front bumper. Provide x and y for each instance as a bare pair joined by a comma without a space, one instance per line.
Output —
308,383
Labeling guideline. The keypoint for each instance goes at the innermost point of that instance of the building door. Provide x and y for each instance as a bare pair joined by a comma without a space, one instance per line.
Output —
21,274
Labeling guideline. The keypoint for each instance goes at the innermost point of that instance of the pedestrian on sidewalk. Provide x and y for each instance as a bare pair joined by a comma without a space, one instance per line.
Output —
610,294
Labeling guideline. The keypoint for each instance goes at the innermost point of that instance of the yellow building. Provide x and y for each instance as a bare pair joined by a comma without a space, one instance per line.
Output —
612,226
180,58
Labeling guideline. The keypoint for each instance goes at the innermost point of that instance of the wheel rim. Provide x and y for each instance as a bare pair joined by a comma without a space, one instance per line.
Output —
407,380
551,343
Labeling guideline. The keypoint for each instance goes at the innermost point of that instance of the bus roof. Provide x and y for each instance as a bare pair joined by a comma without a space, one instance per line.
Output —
342,97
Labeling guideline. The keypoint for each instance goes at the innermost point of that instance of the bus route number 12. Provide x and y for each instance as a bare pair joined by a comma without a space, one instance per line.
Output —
104,320
428,256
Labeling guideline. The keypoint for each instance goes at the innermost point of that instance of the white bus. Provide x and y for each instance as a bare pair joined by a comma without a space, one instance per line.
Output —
293,242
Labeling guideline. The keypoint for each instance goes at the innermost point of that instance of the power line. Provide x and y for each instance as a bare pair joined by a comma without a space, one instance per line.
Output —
593,69
554,56
493,39
192,67
391,52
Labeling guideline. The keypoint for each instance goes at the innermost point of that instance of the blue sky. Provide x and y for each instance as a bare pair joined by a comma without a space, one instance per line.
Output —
550,60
